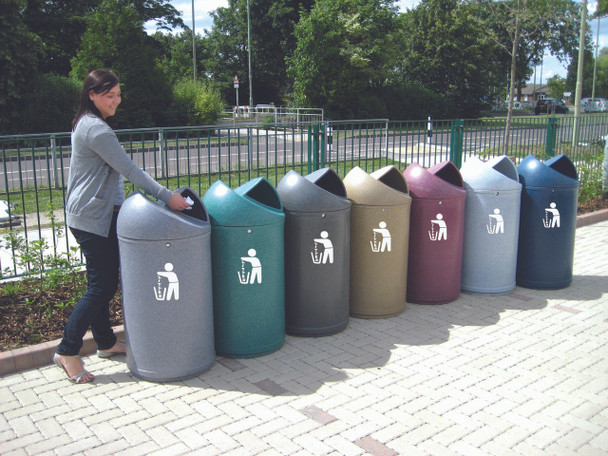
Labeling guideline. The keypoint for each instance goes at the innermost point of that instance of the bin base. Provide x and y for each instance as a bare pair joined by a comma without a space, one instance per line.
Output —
374,315
316,332
488,291
261,351
544,285
421,301
150,376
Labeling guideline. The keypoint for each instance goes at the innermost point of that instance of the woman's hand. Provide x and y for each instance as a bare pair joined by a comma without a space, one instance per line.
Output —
178,202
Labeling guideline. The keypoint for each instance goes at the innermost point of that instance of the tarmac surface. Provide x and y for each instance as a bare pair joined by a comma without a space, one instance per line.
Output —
525,373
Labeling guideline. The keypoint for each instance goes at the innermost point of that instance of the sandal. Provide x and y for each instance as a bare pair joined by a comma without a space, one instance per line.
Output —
108,354
78,378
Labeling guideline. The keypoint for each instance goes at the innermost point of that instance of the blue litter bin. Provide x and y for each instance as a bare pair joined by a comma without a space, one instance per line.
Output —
317,253
547,231
247,244
491,229
165,265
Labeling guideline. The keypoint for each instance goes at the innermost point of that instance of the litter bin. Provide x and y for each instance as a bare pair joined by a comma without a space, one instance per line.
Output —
491,228
247,244
317,253
549,202
165,263
379,234
436,233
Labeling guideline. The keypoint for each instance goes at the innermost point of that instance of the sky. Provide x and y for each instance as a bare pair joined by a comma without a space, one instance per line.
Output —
550,67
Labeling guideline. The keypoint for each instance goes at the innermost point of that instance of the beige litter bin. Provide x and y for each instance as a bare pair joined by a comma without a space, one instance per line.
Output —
380,225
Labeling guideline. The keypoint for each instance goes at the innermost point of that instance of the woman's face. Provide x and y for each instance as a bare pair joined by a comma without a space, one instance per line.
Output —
107,102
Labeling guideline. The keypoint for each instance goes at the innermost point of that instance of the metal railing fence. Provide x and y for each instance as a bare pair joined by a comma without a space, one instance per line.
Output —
35,167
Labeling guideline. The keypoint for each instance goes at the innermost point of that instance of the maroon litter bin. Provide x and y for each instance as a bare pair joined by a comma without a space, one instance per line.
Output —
436,233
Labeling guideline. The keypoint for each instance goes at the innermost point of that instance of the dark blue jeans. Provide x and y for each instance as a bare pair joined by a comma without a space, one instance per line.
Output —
93,309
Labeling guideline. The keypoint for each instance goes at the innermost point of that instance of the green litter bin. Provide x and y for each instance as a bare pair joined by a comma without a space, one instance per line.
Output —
247,249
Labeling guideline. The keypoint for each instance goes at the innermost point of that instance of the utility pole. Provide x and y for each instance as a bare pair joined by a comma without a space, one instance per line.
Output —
193,42
579,74
249,54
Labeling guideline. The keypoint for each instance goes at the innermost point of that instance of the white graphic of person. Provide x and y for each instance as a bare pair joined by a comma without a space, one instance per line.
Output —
256,268
164,293
499,226
555,217
443,229
385,245
328,249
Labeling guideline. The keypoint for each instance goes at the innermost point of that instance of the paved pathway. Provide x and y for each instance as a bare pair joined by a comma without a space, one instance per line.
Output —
519,374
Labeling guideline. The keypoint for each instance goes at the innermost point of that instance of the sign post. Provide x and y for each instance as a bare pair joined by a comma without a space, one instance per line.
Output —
235,82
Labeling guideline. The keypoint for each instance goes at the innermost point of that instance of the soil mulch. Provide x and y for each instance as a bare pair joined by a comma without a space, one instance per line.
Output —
28,318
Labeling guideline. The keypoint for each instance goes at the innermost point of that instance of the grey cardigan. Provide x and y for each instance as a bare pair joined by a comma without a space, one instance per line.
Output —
94,183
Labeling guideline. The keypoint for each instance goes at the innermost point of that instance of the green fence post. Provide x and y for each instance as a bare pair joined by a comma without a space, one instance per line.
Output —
323,146
551,136
315,148
456,141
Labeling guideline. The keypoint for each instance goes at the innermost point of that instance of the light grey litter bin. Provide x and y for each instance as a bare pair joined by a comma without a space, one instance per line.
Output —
317,253
165,259
491,225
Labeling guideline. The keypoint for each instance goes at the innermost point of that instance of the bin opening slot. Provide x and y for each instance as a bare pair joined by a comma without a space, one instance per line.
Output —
451,175
263,193
564,166
197,210
395,180
331,183
506,167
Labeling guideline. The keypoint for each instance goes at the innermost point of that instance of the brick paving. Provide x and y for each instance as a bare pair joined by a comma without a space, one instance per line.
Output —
524,373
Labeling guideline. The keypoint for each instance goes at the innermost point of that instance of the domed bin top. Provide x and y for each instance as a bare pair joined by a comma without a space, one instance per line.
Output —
496,175
320,191
557,172
143,219
386,187
442,180
253,203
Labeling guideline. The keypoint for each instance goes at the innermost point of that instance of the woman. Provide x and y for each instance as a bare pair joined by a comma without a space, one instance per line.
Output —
95,193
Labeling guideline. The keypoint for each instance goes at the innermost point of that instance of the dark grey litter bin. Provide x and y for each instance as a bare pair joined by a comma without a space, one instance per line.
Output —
547,231
317,253
247,243
491,227
380,227
165,262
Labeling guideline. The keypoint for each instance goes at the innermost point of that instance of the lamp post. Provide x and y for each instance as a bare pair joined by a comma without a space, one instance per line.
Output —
193,42
249,55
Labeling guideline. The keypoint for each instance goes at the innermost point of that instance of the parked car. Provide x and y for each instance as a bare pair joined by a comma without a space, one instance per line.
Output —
551,106
597,105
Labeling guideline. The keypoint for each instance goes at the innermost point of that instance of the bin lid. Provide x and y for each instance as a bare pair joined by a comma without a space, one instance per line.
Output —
557,172
498,174
253,203
320,191
385,187
440,181
143,219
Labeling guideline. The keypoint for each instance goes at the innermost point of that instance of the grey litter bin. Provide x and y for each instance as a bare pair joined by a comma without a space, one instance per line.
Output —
165,262
549,201
491,227
380,227
317,253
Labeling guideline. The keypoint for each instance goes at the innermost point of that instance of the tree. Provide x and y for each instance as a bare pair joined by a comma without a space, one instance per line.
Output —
601,88
18,60
446,51
60,24
556,86
345,51
272,23
198,103
115,39
587,82
176,55
541,24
